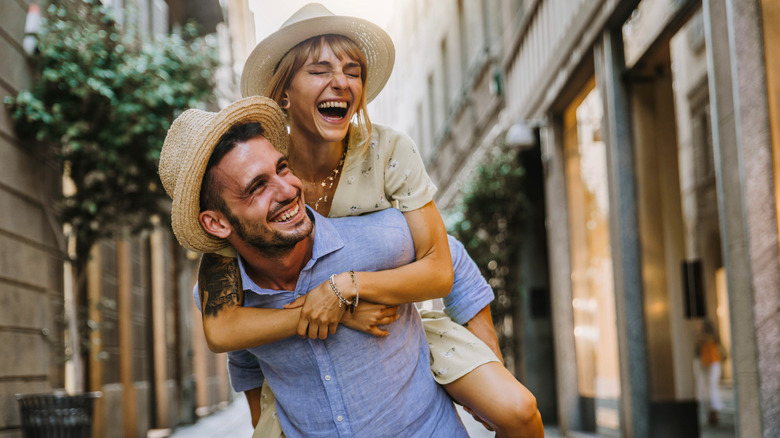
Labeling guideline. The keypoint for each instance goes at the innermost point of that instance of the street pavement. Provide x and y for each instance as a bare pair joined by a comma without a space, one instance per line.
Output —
233,421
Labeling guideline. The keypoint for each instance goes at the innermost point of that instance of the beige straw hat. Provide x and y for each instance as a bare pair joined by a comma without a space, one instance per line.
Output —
312,20
187,149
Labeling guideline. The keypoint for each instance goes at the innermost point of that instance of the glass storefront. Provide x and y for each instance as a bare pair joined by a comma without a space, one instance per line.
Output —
593,303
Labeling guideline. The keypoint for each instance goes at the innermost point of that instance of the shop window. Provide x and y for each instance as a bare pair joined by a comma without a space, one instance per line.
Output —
593,305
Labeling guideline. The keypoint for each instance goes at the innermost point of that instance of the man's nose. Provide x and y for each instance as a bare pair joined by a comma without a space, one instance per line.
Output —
286,190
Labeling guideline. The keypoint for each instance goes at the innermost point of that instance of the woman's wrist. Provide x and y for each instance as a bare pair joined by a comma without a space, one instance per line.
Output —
346,286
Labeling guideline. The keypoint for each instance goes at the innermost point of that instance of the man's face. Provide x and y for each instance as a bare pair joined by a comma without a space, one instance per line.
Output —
263,197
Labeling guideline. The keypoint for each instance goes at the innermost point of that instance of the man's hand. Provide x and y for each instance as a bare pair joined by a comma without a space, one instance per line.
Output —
482,327
368,316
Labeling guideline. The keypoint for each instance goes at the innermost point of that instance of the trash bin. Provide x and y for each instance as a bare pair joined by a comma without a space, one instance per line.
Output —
57,415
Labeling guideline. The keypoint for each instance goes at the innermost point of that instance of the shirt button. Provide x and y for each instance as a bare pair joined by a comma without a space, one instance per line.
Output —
327,377
340,418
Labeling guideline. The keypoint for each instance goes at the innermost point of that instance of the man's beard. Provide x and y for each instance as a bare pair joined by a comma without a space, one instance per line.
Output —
274,245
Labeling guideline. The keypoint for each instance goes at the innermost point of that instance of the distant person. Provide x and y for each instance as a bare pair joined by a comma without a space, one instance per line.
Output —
711,355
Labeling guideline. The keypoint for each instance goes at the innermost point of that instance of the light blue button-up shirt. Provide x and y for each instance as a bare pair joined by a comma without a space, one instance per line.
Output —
352,383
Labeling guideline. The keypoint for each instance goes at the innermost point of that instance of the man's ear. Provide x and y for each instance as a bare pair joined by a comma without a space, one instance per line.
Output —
215,223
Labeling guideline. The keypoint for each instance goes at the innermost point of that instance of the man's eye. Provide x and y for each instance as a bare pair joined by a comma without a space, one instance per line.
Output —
256,187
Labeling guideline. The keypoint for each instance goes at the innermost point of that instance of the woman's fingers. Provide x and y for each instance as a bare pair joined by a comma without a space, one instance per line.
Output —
378,332
303,327
297,303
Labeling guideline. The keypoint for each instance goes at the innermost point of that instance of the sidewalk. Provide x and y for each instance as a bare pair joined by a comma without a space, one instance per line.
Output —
233,421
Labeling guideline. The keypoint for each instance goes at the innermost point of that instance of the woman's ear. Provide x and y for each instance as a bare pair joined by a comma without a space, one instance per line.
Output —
285,103
215,223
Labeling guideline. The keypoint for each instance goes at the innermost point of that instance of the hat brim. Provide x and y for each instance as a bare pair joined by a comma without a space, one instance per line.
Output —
376,44
198,133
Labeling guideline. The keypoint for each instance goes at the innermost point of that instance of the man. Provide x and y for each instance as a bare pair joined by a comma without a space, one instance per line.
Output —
350,383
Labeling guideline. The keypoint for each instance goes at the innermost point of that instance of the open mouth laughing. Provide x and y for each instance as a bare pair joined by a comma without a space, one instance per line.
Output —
333,109
287,214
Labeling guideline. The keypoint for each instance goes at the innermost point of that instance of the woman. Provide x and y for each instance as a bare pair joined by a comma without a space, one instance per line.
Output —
711,354
323,69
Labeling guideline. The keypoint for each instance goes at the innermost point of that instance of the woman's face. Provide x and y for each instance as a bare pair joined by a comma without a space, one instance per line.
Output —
323,96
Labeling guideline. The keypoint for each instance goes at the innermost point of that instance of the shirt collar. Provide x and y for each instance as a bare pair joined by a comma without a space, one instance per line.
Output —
326,241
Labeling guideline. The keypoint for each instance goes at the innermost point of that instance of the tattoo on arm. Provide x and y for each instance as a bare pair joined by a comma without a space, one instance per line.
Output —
219,283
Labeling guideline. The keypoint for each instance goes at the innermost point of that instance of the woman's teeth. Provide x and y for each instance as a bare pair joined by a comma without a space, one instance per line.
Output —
333,109
332,104
289,215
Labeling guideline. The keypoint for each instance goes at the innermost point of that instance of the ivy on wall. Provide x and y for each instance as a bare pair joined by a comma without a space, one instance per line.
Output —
102,100
488,221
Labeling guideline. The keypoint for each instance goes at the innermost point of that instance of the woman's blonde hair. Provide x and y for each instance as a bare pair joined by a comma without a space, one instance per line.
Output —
312,47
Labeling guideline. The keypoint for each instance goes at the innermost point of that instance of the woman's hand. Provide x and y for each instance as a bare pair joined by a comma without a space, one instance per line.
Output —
368,316
320,309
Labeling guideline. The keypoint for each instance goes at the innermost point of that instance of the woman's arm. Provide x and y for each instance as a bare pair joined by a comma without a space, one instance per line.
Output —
429,276
229,326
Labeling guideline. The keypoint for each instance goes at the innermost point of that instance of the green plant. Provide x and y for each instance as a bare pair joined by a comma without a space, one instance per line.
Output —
488,221
103,99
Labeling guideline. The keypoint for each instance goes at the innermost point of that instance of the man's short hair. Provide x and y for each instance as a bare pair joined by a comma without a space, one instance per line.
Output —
210,196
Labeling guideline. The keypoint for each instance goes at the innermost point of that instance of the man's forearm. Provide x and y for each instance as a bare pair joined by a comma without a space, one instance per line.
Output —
482,327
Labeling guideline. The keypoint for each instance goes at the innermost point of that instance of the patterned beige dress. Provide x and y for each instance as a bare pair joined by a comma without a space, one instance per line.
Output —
389,172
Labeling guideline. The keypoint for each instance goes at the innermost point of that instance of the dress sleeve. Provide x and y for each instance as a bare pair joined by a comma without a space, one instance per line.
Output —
406,180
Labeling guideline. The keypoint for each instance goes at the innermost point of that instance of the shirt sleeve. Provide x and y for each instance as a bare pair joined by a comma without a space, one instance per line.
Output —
244,370
196,297
470,292
406,180
243,367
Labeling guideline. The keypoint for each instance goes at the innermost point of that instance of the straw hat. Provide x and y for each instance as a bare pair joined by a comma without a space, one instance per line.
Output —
310,21
187,149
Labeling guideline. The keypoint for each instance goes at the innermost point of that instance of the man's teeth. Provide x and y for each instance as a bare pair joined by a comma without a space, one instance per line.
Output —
333,104
289,215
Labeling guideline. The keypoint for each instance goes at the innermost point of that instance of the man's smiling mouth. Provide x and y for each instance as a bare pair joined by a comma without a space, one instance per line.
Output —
289,214
333,109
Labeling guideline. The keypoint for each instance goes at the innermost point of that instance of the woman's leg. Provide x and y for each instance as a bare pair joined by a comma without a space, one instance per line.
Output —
492,393
268,426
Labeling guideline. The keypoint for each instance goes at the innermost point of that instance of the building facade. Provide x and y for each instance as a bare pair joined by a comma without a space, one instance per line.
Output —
657,129
32,248
148,356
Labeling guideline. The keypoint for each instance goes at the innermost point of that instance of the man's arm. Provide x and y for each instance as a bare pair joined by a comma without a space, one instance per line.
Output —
253,398
481,325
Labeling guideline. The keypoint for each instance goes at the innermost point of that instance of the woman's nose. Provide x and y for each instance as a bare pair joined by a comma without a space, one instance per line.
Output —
339,80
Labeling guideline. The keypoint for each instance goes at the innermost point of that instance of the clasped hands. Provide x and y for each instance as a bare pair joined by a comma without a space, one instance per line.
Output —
321,312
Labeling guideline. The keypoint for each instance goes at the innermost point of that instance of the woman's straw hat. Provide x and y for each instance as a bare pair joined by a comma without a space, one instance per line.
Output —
310,21
187,149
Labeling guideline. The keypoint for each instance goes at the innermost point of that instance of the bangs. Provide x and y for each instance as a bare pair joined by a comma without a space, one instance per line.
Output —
342,47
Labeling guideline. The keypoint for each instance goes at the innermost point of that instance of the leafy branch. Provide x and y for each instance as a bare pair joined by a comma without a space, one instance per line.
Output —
488,222
102,101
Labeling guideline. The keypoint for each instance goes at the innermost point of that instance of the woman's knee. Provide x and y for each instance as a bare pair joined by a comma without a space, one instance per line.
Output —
519,417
